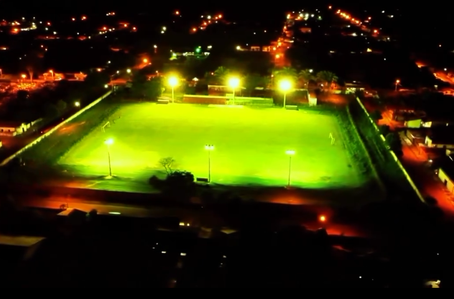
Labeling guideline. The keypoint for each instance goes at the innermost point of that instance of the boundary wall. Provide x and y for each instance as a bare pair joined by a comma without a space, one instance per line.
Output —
390,168
48,133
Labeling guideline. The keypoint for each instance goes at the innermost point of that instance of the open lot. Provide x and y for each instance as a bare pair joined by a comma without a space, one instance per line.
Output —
250,146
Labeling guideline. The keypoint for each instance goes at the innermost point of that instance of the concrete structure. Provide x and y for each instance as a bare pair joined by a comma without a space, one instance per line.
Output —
446,173
200,99
312,99
436,122
13,128
440,138
413,123
227,99
416,136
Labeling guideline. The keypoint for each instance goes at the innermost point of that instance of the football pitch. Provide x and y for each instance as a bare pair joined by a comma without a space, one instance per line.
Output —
250,146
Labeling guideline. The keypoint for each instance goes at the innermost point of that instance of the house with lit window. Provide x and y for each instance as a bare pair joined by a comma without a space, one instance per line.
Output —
13,128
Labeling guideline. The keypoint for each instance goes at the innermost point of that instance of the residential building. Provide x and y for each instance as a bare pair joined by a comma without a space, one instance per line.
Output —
13,128
446,173
440,138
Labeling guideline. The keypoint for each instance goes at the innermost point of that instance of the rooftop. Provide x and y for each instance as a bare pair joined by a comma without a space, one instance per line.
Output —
447,165
442,135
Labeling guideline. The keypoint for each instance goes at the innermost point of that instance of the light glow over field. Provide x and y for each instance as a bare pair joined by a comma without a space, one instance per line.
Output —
250,145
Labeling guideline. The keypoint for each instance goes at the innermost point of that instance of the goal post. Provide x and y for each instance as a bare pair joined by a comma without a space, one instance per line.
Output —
106,125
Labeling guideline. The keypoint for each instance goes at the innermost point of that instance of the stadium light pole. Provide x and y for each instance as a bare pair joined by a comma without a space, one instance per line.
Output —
290,154
173,81
234,83
108,143
284,86
209,148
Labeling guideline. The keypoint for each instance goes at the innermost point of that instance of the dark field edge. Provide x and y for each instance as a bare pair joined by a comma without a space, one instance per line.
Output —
47,152
359,155
390,174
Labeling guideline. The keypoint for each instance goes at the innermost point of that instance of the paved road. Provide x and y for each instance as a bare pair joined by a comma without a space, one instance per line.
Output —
443,77
416,162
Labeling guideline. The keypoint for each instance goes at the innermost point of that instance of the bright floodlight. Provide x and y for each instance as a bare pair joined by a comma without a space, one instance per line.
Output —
77,104
109,141
209,147
290,152
234,82
173,81
285,85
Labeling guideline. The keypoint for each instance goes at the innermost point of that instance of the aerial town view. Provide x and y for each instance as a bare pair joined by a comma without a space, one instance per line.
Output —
186,147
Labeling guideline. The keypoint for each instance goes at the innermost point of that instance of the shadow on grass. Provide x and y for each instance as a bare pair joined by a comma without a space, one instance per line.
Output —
339,196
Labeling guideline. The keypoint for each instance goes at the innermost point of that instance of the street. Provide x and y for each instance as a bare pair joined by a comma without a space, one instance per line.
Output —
418,165
416,162
441,75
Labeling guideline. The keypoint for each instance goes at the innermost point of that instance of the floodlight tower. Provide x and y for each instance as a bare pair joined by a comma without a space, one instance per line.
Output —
290,154
234,83
209,148
108,143
173,81
285,85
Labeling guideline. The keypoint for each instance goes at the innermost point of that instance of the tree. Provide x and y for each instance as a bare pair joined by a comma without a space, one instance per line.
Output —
32,63
376,115
97,79
286,72
153,88
51,111
30,72
122,60
384,130
144,88
209,78
394,143
167,163
180,184
252,81
327,78
305,76
221,75
192,66
61,106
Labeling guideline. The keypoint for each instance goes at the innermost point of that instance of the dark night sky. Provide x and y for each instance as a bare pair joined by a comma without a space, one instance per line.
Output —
259,10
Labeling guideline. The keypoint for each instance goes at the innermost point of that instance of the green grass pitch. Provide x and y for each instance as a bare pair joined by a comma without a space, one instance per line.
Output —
249,146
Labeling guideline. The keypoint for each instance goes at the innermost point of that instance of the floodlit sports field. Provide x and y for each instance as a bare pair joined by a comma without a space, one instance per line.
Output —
249,146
